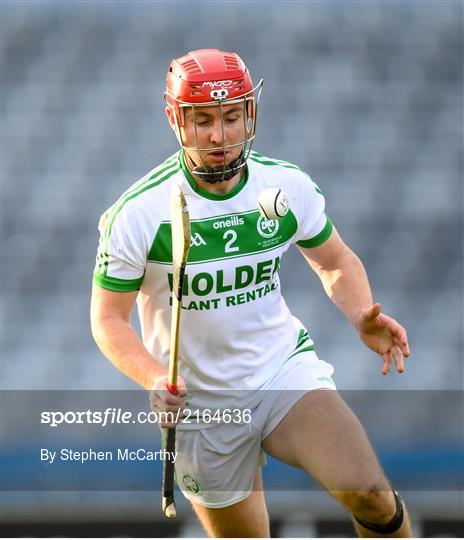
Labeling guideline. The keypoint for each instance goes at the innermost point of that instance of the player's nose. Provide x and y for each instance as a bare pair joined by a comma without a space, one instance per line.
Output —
217,133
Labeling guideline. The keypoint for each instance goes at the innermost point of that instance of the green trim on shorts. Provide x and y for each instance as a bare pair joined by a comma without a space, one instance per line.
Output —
303,336
308,348
301,344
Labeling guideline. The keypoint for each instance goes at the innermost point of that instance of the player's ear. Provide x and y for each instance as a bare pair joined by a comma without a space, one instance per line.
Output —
170,115
250,115
176,118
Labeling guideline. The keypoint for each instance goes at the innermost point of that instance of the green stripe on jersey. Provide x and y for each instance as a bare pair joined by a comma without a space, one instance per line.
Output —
168,169
116,284
319,238
224,237
304,349
152,175
259,158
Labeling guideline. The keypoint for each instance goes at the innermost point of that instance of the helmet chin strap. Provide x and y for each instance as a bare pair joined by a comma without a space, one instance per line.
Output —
218,174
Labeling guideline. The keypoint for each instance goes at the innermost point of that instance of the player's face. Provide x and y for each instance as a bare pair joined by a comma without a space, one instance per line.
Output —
214,130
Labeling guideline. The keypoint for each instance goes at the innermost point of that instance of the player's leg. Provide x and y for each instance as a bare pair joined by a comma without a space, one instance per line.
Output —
246,519
323,436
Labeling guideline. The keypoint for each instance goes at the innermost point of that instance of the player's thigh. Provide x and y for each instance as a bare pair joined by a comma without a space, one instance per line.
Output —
322,435
246,519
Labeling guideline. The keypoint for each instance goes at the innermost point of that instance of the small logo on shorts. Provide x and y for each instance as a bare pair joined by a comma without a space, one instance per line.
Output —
191,484
267,227
326,379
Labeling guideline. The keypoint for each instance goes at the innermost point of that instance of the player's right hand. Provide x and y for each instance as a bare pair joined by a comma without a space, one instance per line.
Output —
168,407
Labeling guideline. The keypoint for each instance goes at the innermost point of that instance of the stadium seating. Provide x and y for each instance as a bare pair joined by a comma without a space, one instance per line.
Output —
367,98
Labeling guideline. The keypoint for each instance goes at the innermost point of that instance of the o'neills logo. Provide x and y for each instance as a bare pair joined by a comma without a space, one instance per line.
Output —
233,221
217,84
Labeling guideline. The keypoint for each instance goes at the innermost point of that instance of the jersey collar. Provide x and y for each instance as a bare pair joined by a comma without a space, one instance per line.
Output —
207,194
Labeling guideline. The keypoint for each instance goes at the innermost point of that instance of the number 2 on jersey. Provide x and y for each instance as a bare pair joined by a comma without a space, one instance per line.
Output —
231,235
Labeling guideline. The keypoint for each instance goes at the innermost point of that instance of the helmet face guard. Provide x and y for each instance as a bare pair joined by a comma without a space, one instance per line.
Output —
249,102
212,78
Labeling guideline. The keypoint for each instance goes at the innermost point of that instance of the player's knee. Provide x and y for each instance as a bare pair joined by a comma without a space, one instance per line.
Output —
375,503
382,525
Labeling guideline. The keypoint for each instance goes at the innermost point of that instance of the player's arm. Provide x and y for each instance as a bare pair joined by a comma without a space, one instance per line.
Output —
345,281
342,274
112,330
110,314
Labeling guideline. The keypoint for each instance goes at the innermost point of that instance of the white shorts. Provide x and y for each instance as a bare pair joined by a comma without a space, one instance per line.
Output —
215,467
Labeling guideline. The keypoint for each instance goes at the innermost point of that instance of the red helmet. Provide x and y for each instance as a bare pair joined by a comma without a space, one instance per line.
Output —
212,77
207,75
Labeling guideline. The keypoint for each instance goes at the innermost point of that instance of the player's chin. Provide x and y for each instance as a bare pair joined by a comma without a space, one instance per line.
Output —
215,160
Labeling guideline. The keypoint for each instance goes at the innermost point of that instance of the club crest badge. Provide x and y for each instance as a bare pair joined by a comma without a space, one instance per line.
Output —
191,484
267,228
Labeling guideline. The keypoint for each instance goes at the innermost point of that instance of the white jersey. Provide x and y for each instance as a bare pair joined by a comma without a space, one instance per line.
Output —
236,329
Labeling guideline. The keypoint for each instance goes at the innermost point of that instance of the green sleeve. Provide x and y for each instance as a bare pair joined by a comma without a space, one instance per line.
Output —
319,238
116,284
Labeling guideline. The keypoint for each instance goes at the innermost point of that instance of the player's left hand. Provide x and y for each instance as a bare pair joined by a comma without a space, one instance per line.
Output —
384,336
